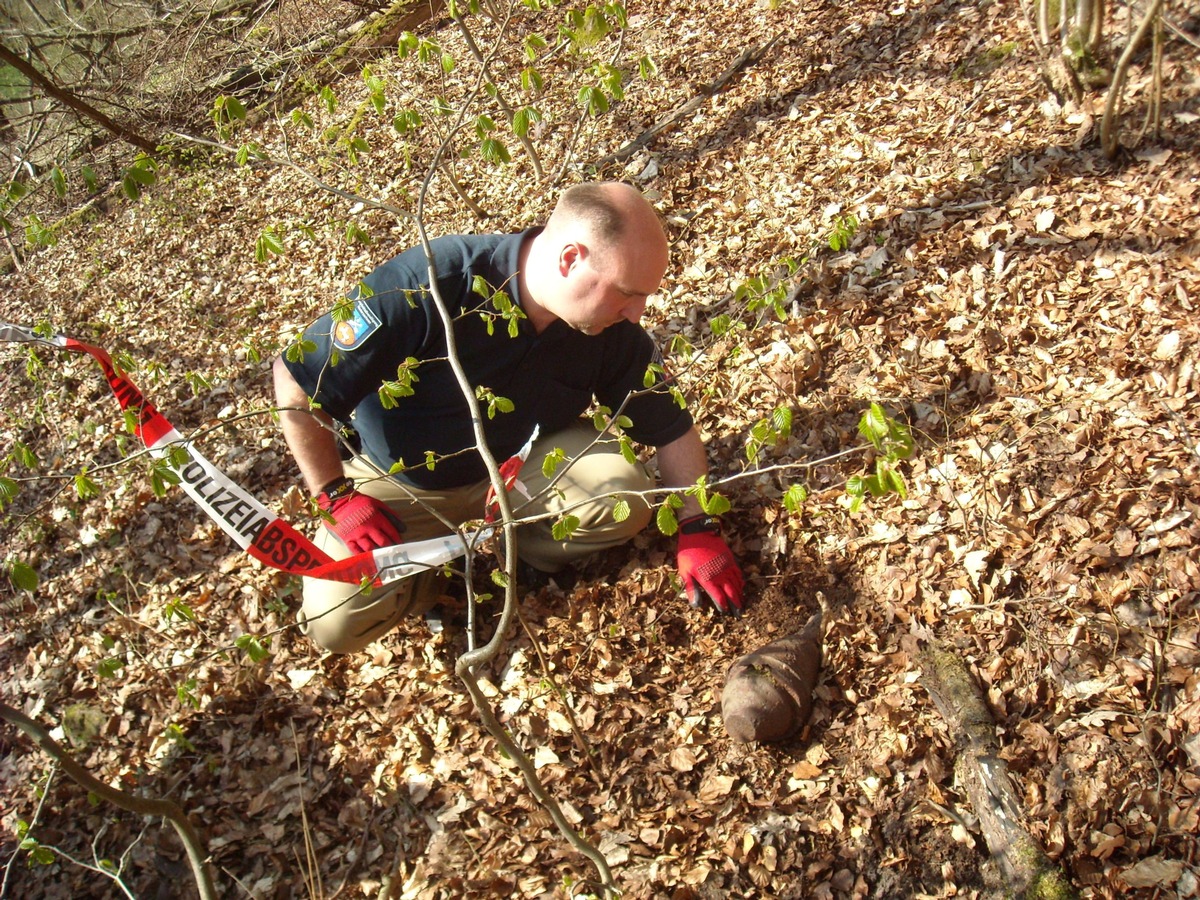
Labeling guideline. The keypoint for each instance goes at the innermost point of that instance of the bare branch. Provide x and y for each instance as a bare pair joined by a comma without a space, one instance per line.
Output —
144,806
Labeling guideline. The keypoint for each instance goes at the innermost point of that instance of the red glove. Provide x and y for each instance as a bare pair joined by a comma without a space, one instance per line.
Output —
361,522
707,566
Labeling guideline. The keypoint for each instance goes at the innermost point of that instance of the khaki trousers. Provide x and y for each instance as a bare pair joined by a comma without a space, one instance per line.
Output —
342,618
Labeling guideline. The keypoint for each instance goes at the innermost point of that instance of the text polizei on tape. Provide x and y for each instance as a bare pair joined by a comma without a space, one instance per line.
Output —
260,532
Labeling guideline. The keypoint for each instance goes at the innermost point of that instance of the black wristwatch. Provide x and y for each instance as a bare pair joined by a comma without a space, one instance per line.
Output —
338,488
699,524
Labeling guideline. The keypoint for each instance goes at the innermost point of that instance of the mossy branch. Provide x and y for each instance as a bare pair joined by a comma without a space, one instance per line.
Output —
984,774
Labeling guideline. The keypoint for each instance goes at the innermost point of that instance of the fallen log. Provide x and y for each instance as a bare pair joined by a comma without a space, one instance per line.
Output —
980,770
376,35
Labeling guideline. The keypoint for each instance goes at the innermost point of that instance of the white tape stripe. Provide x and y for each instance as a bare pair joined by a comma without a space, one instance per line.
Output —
239,514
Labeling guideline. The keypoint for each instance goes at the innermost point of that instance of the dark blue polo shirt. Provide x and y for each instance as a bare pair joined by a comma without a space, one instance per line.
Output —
550,378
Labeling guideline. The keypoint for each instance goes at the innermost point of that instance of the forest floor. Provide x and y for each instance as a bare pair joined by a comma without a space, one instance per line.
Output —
1024,304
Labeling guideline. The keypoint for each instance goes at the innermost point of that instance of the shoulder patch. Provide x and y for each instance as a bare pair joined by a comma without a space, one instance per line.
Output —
353,331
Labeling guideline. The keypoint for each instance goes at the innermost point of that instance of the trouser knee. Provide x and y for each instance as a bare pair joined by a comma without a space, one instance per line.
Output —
590,492
343,618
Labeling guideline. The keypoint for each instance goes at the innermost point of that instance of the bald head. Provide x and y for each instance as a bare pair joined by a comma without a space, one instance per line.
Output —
607,210
602,253
608,216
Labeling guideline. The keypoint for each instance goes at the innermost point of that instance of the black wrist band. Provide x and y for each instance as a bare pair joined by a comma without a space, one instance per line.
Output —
338,488
701,523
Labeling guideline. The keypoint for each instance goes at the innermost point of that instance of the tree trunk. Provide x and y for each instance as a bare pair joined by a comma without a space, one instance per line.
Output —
52,90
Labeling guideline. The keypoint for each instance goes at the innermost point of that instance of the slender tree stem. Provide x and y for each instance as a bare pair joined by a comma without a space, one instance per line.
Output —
585,746
530,151
1109,136
467,662
144,806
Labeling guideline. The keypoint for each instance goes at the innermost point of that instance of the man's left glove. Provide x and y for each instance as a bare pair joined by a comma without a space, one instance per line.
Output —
707,566
360,521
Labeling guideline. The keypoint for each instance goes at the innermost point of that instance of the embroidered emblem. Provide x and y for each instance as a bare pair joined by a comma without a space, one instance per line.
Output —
353,331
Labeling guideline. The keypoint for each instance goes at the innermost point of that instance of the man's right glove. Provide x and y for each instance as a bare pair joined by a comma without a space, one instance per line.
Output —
707,566
360,521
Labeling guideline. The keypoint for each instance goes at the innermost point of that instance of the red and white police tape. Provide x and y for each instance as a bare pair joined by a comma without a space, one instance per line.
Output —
254,528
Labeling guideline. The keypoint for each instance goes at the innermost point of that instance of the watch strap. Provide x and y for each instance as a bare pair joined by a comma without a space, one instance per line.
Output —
338,488
700,524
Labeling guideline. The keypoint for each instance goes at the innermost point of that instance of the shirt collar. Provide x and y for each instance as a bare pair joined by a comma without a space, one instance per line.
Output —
508,258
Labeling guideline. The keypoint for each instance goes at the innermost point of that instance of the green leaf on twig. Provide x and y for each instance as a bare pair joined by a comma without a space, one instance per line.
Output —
85,488
23,577
665,519
552,461
621,510
253,647
162,476
8,491
564,527
268,244
794,498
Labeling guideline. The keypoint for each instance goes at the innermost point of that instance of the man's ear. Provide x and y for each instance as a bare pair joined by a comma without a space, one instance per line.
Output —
570,255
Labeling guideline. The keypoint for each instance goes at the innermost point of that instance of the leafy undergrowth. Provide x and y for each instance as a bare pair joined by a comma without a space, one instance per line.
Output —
1025,305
